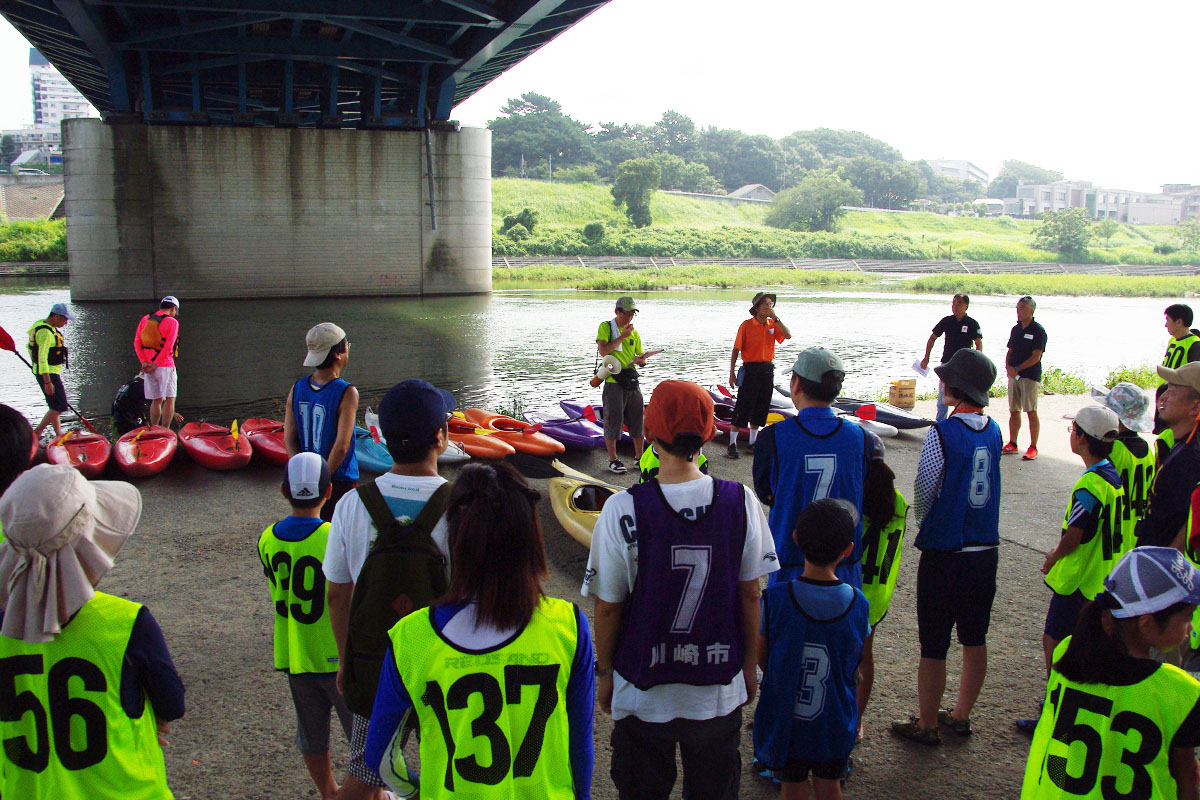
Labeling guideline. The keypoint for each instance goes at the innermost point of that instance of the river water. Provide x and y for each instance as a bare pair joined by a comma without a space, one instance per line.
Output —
534,347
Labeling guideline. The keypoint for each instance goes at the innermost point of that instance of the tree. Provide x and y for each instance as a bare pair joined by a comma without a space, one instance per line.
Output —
1188,234
883,185
534,126
676,134
527,219
1014,172
8,150
814,204
634,186
844,145
1105,229
1067,232
617,142
679,174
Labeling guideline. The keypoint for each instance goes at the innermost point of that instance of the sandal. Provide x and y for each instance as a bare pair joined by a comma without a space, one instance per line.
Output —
913,731
960,726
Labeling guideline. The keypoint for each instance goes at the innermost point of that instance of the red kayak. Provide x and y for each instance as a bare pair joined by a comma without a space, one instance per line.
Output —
145,451
267,437
86,452
215,447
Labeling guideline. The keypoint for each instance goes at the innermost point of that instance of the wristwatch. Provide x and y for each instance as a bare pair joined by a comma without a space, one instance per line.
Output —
603,673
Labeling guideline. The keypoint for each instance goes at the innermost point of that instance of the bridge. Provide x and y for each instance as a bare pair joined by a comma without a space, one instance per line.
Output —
281,147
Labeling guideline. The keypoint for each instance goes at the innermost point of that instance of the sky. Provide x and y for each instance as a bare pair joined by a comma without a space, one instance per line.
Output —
1101,91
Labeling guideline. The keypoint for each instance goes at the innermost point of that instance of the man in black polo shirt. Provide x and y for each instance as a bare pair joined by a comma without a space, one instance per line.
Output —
961,332
1026,343
1179,471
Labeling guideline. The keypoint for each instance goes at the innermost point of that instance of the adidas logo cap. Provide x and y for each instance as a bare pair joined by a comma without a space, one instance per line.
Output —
307,476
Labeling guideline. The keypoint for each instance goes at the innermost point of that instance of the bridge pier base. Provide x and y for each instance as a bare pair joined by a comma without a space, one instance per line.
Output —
227,212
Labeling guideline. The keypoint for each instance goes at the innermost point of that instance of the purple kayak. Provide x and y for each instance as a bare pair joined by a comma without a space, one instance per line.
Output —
574,408
571,432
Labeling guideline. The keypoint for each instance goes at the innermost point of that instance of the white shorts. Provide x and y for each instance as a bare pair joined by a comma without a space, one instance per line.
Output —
160,383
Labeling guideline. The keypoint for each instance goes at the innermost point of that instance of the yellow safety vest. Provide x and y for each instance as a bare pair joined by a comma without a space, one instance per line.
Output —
493,724
1177,351
1099,741
881,560
1085,568
1137,475
304,640
65,733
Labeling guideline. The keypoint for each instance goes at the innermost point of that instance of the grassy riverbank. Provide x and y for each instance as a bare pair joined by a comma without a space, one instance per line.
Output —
717,276
41,240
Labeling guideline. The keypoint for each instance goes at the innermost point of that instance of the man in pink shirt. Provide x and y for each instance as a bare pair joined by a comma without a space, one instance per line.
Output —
157,344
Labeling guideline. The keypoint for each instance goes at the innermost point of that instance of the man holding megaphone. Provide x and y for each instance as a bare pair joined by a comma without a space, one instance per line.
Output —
622,397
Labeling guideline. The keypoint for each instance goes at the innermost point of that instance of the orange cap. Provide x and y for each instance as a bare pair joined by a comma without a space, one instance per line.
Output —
679,407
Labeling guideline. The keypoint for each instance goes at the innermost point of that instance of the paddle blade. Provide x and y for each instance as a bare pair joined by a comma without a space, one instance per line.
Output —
866,412
532,466
724,391
531,429
6,341
138,436
589,414
233,429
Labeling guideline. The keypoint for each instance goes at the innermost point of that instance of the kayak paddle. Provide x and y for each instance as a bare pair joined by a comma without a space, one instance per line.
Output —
6,343
589,414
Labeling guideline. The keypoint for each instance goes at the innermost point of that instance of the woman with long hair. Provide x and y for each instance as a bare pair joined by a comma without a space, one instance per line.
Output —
1116,722
498,675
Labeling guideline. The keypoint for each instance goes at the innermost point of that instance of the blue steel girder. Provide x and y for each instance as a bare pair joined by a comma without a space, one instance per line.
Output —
357,62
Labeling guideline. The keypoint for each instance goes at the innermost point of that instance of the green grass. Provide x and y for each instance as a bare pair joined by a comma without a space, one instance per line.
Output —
1143,375
1059,381
41,240
716,276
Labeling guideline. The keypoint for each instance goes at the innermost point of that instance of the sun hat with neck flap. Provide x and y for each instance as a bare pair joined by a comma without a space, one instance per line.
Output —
61,534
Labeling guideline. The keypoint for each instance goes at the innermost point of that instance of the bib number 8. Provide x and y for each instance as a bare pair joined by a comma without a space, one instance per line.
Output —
980,490
485,726
14,706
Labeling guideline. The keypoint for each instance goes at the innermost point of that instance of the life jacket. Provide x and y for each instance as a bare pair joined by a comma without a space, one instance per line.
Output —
152,338
57,356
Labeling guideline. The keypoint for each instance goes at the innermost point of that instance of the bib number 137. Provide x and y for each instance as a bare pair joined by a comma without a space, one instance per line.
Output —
500,760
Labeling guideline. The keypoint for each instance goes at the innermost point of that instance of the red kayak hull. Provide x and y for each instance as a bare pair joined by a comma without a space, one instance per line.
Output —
213,446
147,456
87,452
267,437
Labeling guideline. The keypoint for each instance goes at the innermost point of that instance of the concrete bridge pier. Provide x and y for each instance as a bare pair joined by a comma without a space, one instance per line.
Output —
243,212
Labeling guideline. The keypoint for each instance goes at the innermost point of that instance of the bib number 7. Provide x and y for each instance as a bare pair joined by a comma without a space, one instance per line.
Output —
484,726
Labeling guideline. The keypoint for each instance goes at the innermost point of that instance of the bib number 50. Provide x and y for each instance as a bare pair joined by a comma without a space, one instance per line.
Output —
14,706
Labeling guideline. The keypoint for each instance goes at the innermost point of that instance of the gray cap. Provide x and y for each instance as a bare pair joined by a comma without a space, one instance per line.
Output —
626,303
1098,422
1150,579
63,310
814,362
970,372
758,298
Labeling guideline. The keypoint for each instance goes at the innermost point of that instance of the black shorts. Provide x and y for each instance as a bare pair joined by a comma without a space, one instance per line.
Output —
1063,614
58,400
754,395
797,771
955,590
338,490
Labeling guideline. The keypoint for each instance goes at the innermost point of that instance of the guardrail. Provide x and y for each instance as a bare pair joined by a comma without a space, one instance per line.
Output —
854,265
41,269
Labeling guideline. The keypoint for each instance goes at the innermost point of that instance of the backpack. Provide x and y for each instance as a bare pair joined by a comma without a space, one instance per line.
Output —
129,408
403,572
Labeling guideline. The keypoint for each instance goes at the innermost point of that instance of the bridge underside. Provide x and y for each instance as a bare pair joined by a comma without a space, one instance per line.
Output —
288,63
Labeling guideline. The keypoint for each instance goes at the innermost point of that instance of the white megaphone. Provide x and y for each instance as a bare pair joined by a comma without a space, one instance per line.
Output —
609,365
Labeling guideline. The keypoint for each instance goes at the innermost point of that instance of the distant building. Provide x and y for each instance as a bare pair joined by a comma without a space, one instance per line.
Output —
36,138
752,191
1188,195
1138,208
963,170
54,98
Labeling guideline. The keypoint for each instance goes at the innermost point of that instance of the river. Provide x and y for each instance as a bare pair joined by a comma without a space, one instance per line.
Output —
530,348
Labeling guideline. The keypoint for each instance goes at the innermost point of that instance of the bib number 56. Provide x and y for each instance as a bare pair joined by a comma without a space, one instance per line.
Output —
32,752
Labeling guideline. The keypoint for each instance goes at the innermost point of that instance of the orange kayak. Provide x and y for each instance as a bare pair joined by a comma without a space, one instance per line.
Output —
513,431
214,446
477,441
267,437
86,452
145,451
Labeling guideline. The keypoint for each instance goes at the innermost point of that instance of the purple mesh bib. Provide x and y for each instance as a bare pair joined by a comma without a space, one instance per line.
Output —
683,622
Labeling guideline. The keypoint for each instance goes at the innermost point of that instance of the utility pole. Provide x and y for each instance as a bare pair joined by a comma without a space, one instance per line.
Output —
552,167
522,165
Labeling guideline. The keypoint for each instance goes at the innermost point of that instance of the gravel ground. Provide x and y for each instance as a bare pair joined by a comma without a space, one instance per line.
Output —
193,563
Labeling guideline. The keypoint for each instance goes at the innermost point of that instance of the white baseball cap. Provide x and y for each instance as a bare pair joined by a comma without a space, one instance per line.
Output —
1099,422
172,299
319,340
307,476
1149,579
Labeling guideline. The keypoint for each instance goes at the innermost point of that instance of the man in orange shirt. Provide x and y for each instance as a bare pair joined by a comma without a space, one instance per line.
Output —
755,340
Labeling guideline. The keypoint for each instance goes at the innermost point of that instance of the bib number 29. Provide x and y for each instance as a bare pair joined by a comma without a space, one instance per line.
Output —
500,760
32,750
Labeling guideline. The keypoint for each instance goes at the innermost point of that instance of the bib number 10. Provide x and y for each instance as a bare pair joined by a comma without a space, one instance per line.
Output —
484,726
32,751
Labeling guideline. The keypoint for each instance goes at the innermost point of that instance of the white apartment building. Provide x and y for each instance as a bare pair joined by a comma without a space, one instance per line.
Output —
1138,208
963,170
54,98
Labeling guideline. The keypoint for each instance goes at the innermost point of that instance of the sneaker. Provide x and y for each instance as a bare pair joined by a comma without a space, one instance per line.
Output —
1027,726
1030,454
859,737
913,731
960,726
732,452
1009,448
617,467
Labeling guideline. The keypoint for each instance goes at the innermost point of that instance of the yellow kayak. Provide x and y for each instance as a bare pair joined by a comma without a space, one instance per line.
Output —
577,498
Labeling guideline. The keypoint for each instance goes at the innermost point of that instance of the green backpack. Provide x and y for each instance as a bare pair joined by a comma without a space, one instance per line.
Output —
404,571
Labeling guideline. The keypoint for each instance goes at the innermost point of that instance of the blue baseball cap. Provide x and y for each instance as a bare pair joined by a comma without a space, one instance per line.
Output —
413,411
1149,579
62,310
